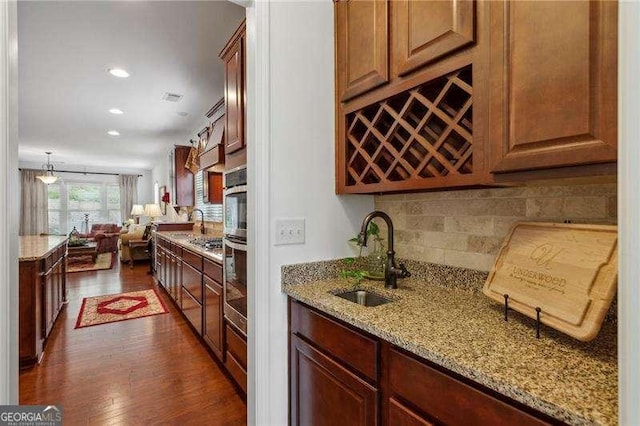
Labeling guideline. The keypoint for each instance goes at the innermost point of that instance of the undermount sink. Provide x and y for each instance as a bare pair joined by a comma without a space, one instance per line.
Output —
364,298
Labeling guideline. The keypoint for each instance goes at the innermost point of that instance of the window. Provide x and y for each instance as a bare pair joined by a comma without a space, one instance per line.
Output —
55,207
81,204
212,212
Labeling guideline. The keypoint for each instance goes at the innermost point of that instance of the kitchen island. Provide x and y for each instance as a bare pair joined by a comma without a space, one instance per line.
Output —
441,321
42,292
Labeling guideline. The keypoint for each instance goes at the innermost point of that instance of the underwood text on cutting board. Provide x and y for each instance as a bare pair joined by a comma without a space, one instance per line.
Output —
541,256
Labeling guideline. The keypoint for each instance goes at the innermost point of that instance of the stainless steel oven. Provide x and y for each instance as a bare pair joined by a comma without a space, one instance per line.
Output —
235,284
235,204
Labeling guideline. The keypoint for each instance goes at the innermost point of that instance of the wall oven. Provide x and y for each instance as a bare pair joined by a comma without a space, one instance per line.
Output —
235,284
235,204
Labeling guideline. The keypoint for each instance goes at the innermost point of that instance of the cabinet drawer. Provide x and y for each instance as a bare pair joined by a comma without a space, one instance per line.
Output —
192,281
192,310
213,270
404,416
238,373
447,399
349,346
192,259
236,346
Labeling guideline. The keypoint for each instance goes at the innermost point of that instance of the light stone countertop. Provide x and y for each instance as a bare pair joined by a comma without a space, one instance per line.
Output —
465,332
182,238
34,247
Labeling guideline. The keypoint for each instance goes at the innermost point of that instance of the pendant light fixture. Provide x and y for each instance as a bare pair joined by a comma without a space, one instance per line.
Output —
47,175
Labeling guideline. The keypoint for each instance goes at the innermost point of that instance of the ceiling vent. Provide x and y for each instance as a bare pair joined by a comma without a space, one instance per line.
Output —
171,97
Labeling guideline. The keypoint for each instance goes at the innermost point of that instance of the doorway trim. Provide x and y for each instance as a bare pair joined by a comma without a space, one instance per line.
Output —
9,202
628,212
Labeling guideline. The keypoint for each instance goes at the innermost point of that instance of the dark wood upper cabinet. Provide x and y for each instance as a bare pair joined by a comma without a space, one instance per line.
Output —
553,84
184,183
478,93
362,40
423,31
233,56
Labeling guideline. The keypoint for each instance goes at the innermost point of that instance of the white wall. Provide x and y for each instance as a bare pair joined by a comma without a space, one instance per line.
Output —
145,182
300,175
160,174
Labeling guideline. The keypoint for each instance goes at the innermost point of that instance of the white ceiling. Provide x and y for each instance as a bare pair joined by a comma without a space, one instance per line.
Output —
65,92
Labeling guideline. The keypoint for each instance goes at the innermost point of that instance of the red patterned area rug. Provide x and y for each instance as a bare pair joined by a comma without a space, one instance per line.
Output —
86,263
119,307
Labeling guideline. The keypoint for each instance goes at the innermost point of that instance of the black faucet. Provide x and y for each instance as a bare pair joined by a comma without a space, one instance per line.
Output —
391,272
202,228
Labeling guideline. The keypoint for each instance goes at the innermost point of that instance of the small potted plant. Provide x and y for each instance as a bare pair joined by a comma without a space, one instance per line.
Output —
370,266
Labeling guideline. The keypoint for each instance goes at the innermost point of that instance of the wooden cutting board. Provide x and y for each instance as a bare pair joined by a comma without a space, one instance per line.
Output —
569,271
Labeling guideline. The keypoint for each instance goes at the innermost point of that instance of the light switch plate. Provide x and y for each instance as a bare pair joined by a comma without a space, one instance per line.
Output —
289,231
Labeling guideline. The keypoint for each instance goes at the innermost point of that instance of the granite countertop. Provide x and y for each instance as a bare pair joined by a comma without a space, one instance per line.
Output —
34,247
182,239
465,332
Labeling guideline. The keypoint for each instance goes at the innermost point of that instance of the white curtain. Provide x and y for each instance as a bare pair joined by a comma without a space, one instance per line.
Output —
34,204
128,194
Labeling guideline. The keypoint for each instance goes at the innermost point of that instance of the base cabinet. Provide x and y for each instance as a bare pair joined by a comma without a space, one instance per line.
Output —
194,283
42,295
324,392
327,388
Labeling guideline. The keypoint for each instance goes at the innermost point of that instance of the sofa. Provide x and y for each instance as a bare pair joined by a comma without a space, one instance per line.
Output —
105,235
134,233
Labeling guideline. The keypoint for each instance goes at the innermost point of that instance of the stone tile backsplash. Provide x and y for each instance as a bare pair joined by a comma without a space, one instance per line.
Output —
466,228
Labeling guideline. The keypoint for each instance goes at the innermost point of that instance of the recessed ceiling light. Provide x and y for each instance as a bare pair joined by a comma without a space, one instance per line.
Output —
182,113
118,72
113,133
116,111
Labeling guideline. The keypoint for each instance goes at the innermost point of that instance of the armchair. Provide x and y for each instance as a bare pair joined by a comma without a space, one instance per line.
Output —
105,235
125,239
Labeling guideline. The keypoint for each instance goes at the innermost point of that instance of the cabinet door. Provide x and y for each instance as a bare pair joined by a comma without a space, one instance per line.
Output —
192,281
325,393
177,280
233,95
47,319
554,88
423,31
184,179
362,39
212,332
192,310
172,275
160,267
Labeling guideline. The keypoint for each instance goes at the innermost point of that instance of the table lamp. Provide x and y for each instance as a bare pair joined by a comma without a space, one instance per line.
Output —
153,211
136,211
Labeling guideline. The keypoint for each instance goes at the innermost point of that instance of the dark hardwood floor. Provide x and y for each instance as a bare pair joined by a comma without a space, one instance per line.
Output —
150,370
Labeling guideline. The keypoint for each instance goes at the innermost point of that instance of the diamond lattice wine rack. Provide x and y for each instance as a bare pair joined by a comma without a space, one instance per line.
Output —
418,135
